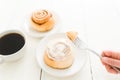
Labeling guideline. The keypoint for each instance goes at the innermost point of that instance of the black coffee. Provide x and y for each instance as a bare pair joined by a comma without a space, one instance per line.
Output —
11,43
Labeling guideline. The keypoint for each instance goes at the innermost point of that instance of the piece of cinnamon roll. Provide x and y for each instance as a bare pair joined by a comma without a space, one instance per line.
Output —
72,35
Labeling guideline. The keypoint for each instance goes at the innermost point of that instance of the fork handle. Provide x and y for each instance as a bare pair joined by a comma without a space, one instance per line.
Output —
115,68
94,52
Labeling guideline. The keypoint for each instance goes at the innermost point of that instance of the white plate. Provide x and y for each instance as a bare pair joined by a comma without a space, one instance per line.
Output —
80,58
30,31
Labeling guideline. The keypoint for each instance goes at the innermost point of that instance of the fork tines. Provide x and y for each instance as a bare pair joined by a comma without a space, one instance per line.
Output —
77,42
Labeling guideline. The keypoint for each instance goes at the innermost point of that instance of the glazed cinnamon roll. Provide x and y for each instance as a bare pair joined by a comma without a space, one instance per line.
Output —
41,16
58,55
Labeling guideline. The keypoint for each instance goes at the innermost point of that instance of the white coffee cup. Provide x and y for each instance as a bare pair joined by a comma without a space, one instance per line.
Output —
15,55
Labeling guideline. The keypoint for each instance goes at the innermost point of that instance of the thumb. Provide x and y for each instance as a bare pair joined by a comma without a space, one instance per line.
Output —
112,62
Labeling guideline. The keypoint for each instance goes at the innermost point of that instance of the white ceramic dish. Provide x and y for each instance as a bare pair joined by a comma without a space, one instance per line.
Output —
80,58
30,31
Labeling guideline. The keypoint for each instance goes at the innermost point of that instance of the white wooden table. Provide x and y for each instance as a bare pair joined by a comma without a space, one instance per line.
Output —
97,22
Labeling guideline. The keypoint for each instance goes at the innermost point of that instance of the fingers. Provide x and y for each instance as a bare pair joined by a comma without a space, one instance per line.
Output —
110,58
110,69
111,61
111,54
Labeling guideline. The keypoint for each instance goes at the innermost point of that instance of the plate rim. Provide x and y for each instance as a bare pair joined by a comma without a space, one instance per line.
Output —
56,27
41,66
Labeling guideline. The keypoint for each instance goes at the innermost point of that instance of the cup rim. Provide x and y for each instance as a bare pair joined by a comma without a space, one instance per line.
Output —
8,31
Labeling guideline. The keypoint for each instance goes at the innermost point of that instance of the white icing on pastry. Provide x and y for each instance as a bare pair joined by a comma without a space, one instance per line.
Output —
58,50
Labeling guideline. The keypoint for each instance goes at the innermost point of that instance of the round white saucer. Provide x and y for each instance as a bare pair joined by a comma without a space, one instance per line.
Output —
80,58
30,31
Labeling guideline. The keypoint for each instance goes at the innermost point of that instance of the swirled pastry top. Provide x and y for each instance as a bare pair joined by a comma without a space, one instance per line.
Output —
58,50
41,16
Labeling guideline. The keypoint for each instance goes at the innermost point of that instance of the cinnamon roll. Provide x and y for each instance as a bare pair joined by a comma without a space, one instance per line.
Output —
41,16
42,20
58,55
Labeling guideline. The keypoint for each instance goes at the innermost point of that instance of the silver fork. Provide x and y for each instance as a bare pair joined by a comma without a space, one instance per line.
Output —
82,45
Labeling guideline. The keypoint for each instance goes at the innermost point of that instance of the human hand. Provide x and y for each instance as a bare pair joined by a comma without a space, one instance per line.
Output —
110,58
